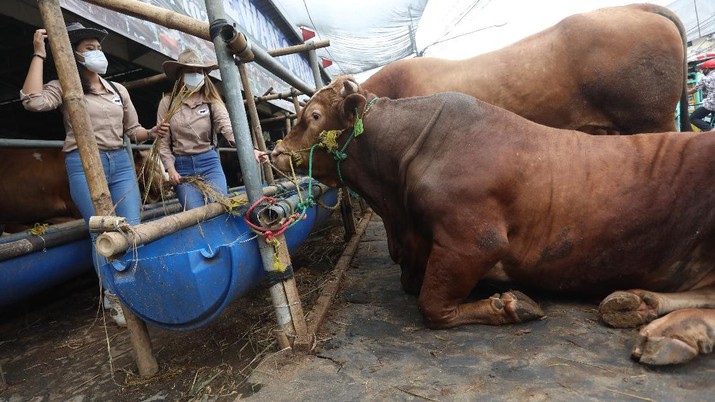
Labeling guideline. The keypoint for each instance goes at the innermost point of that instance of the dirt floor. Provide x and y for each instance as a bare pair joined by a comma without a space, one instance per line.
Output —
56,346
372,346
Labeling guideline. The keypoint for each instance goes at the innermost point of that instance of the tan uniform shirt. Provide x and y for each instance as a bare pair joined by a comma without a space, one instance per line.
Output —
111,116
190,128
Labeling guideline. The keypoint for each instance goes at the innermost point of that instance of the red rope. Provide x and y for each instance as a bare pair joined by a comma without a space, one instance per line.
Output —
267,234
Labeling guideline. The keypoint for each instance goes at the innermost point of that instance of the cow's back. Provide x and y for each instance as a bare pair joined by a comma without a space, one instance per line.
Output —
617,69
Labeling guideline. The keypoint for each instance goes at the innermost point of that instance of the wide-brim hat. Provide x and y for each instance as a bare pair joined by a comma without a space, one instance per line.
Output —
77,32
187,58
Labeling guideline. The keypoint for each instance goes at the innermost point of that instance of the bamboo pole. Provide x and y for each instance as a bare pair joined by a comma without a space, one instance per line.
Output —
19,244
279,118
296,104
258,140
56,235
282,95
300,48
315,317
288,125
144,82
112,244
74,103
158,15
298,334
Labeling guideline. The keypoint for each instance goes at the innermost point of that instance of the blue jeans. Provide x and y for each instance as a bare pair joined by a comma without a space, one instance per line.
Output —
123,187
208,166
696,118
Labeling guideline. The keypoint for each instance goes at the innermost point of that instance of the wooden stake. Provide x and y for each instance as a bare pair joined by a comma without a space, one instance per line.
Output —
74,104
258,140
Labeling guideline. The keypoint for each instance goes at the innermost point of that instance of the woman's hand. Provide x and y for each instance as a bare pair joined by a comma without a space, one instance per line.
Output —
261,157
174,176
38,42
160,130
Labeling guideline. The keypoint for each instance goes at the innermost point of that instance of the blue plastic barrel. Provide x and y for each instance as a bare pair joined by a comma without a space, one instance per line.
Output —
184,280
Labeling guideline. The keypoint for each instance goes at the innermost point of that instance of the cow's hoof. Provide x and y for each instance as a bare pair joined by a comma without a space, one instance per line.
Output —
660,351
676,338
521,307
627,310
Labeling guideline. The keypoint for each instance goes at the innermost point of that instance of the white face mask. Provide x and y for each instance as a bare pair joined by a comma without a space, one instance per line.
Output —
193,80
94,60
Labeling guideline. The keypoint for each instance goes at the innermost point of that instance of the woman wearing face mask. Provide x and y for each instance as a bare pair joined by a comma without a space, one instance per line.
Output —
112,115
195,112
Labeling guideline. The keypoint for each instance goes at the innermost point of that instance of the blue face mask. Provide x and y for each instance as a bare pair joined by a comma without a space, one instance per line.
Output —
95,60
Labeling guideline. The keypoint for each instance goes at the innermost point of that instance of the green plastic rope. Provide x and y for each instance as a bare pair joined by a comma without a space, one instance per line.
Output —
329,142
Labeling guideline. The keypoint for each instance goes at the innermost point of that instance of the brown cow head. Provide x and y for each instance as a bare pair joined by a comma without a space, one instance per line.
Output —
331,108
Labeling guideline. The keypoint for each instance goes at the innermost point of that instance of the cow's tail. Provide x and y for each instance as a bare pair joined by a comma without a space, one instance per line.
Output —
667,13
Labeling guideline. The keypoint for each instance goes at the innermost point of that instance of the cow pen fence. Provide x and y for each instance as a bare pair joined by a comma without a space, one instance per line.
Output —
232,52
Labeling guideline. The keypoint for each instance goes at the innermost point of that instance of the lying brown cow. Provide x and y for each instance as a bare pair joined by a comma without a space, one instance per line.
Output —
35,187
461,185
613,70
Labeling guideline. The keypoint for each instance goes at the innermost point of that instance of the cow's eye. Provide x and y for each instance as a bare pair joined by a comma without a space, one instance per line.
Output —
316,116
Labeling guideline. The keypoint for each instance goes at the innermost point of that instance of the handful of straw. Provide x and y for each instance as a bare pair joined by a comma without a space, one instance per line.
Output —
178,95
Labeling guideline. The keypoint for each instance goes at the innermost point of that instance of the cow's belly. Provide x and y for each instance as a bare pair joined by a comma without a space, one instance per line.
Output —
694,269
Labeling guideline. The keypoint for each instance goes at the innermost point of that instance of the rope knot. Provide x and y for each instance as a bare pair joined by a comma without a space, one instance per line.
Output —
308,203
340,156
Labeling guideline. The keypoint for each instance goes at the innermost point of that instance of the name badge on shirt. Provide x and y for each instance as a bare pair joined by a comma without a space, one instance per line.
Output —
117,101
202,112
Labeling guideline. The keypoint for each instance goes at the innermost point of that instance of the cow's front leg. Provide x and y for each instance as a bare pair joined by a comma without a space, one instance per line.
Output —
449,279
635,307
676,338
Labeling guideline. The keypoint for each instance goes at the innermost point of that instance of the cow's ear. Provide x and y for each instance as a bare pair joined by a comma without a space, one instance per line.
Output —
353,103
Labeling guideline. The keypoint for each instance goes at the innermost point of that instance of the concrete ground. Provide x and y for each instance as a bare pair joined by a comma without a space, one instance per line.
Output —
373,346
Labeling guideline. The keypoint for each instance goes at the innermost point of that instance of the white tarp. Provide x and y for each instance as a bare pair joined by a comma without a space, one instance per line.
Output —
363,34
697,15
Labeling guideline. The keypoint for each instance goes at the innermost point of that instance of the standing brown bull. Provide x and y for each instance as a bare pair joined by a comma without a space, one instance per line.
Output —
612,70
462,185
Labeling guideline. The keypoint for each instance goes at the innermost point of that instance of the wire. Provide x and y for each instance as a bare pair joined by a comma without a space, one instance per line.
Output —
316,32
422,52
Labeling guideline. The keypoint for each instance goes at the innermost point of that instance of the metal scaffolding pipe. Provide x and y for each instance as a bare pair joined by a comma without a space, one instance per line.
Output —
266,61
12,143
199,29
283,294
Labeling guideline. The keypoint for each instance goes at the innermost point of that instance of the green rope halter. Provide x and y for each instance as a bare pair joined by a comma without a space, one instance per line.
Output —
329,140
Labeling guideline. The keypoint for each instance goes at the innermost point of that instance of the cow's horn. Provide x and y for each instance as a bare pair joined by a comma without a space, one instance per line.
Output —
349,87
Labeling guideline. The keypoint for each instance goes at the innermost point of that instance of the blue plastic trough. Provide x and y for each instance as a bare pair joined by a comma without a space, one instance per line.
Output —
26,275
184,280
68,255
